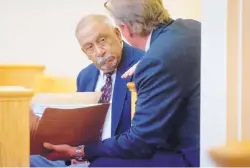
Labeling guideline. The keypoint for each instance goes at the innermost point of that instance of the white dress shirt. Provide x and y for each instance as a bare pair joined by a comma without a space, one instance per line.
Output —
148,42
106,132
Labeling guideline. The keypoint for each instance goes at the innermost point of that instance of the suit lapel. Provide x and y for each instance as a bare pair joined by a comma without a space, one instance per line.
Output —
92,80
120,88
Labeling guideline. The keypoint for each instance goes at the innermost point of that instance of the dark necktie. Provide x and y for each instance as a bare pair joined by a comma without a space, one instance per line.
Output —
106,89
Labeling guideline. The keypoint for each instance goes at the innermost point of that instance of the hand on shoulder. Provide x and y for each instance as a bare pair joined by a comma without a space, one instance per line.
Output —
130,72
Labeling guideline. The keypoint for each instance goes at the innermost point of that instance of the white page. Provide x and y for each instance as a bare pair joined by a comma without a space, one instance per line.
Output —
66,98
63,101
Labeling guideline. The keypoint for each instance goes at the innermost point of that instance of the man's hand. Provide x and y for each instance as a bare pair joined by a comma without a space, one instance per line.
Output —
130,72
59,152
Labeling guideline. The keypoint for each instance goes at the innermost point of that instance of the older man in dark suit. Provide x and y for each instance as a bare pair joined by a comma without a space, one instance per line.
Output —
111,57
165,130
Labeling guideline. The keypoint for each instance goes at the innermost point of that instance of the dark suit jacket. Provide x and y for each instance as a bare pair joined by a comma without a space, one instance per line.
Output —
166,127
121,103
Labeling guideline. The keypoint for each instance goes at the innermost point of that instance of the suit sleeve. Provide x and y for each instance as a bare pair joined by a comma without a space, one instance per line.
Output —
159,92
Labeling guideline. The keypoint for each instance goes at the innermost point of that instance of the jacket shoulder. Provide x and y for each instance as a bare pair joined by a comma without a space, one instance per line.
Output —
132,53
85,71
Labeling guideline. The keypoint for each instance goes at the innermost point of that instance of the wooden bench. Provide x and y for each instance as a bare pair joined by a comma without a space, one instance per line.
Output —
14,126
20,74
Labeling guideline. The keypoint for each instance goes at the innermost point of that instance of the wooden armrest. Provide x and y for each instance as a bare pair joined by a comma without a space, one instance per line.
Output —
132,89
232,154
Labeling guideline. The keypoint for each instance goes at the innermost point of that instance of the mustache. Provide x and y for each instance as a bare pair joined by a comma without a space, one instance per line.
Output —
101,60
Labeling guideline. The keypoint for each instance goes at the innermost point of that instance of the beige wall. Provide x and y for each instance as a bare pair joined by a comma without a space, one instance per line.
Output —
225,80
42,31
184,8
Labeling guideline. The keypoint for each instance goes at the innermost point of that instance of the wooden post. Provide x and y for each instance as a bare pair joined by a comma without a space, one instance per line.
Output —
132,89
233,154
233,83
14,126
236,152
245,132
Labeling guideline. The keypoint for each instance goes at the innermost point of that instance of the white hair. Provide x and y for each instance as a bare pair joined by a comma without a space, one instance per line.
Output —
92,18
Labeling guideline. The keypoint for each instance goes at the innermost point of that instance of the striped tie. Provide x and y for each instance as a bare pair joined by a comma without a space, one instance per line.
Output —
106,89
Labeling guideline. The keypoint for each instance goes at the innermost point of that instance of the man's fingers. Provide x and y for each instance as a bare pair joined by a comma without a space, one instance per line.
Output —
125,75
128,73
131,73
49,146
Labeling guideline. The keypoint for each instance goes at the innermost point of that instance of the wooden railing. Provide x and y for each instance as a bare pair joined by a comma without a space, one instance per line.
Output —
14,126
233,154
15,106
32,76
132,89
20,74
54,84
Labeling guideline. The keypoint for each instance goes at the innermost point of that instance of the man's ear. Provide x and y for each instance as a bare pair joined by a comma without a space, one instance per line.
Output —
126,30
118,33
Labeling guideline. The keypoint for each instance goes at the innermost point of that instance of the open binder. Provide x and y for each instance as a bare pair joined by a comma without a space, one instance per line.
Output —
73,124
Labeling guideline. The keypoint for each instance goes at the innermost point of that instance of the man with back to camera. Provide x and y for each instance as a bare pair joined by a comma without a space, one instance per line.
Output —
165,130
103,45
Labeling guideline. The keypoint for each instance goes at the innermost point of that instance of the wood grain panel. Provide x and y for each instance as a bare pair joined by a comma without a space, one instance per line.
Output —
14,127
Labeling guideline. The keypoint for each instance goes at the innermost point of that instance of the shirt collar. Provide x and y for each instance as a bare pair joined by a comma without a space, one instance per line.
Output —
103,75
148,42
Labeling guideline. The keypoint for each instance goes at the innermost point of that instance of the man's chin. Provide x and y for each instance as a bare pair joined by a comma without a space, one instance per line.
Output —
107,70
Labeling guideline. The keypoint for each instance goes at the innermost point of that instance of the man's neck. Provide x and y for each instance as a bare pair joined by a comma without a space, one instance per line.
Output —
142,42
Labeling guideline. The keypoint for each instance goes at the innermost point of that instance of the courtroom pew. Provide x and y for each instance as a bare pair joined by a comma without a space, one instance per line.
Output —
47,83
20,74
15,104
33,76
14,126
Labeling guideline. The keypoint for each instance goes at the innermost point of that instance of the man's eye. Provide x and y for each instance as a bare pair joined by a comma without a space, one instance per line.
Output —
102,39
89,47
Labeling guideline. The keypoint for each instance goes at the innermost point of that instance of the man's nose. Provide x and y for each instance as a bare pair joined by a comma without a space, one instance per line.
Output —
100,52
